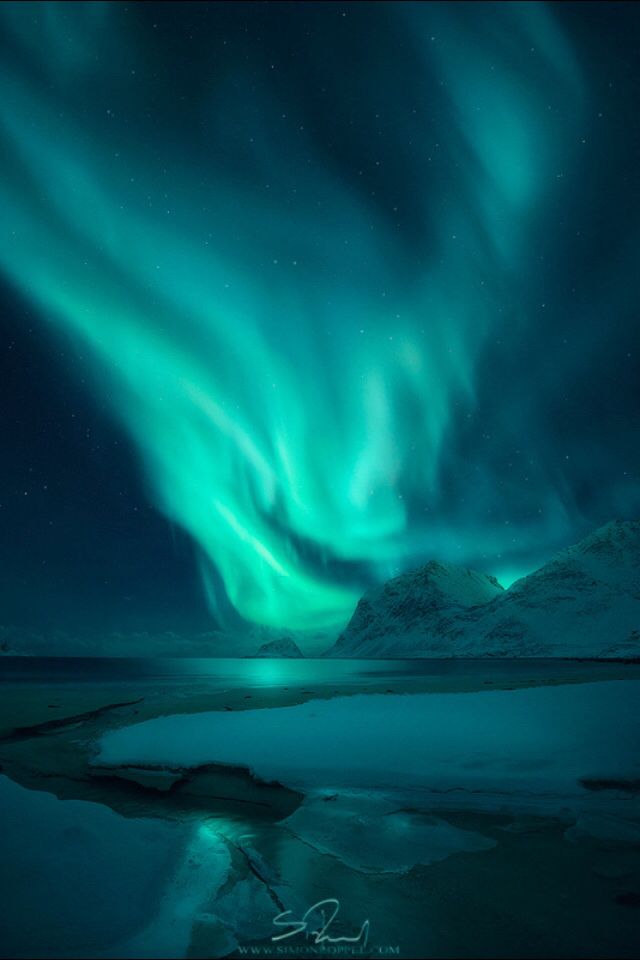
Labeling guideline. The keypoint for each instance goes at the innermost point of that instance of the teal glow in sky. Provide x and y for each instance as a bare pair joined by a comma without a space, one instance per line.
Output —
287,277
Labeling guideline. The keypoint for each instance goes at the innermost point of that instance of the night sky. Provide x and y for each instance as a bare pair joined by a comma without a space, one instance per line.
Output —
295,297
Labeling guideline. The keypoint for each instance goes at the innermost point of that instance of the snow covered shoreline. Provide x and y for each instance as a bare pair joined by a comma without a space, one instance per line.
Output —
428,802
541,742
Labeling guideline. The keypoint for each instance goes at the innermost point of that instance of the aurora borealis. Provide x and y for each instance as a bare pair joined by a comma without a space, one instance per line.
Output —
357,282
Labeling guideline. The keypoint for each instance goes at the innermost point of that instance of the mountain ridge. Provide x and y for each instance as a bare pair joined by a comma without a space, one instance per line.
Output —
585,602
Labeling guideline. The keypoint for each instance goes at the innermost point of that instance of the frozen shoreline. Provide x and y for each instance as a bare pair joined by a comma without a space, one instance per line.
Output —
538,741
517,831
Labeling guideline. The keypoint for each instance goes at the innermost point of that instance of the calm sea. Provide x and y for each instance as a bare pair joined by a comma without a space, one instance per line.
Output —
270,672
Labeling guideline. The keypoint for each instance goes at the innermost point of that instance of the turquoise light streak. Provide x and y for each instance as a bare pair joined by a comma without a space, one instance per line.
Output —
287,370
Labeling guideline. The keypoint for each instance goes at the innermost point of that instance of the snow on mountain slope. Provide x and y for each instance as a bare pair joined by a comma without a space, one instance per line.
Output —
583,603
413,611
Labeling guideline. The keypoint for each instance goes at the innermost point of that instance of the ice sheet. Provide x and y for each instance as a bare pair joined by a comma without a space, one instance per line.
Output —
538,740
77,879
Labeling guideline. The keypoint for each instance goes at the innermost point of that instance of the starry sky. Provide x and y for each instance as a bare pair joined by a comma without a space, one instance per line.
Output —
295,297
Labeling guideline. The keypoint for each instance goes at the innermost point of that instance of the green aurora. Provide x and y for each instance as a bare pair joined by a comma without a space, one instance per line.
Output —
291,328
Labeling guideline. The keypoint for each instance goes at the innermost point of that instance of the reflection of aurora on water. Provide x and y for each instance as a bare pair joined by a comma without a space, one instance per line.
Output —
294,287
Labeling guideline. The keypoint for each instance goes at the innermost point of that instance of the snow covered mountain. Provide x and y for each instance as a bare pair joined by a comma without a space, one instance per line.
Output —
583,603
405,615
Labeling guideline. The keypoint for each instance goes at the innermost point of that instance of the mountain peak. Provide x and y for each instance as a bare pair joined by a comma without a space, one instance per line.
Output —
416,602
281,647
615,536
584,603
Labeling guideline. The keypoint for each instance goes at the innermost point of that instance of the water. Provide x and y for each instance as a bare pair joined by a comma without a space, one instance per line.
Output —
104,866
276,672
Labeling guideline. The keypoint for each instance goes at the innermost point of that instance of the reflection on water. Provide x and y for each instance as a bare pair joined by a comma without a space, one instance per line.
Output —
272,672
202,868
